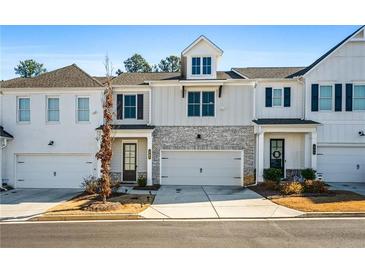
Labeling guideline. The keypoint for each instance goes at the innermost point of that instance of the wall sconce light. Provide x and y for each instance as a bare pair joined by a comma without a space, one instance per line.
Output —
51,143
198,136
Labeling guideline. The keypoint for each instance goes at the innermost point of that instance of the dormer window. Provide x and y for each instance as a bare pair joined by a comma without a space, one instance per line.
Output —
201,65
196,66
207,65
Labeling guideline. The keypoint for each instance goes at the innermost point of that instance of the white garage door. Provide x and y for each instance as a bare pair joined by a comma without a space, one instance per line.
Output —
52,171
201,167
342,164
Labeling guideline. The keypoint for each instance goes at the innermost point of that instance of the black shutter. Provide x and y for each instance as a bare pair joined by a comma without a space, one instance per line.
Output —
314,97
268,101
338,97
287,97
348,97
140,106
119,106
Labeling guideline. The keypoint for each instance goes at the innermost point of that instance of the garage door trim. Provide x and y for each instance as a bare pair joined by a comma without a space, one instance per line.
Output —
206,150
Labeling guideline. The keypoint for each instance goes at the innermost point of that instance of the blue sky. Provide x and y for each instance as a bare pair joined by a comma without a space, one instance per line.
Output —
58,46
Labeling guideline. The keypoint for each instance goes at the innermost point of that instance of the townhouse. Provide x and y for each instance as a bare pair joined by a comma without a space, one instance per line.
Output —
199,126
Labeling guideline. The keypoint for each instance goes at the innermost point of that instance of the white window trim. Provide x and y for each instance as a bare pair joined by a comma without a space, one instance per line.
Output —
201,103
59,109
353,97
128,94
281,98
332,99
201,65
18,110
77,111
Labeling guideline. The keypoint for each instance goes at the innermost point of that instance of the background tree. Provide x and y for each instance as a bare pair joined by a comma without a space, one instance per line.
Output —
105,152
29,68
171,63
137,63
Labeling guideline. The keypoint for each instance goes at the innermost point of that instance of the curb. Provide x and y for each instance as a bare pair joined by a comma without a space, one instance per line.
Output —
85,218
332,214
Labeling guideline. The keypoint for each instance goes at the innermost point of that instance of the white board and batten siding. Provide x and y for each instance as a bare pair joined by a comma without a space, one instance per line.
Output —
201,167
52,170
233,108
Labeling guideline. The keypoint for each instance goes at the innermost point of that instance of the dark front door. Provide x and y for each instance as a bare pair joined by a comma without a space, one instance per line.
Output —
277,154
129,162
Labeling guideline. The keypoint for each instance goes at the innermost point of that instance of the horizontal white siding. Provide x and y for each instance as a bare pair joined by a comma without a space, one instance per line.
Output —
131,121
346,65
234,107
296,105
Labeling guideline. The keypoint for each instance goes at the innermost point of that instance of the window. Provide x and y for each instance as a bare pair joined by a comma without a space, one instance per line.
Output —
207,65
325,97
24,109
277,97
359,97
201,103
53,109
130,105
208,103
83,109
195,65
193,104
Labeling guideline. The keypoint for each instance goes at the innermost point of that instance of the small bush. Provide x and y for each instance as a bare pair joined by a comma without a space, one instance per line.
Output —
91,185
142,181
114,185
315,186
272,174
291,188
308,174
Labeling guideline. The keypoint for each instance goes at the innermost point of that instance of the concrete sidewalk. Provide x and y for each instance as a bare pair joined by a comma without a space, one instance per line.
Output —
213,202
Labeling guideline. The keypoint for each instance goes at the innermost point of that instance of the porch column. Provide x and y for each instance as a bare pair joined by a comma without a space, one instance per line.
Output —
149,159
307,150
314,156
1,162
260,158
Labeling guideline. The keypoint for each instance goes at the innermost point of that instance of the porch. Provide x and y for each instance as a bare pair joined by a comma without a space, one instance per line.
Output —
286,144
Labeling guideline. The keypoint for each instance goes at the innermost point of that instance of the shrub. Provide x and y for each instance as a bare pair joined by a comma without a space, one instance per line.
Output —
291,188
142,181
114,185
270,185
272,174
308,174
91,185
315,186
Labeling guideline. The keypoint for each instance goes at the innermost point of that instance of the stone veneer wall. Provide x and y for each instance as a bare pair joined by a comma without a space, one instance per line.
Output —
212,137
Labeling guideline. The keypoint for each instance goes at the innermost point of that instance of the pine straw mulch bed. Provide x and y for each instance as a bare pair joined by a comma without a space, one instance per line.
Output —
333,201
90,204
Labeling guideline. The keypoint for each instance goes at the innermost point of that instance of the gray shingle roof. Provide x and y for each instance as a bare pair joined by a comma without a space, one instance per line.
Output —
268,72
70,76
284,121
5,134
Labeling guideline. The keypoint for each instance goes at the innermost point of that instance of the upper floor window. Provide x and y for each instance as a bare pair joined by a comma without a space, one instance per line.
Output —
201,103
130,106
359,97
277,97
53,109
195,69
325,97
83,109
207,65
24,109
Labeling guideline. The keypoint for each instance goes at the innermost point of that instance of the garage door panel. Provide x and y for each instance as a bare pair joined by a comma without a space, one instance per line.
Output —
201,167
342,164
52,171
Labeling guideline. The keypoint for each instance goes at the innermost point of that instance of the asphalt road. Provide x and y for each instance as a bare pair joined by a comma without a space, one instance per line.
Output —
268,233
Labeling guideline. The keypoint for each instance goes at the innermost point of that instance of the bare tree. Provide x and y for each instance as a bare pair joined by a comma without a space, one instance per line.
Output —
105,152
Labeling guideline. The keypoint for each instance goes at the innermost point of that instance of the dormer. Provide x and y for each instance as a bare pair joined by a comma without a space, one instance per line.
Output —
200,60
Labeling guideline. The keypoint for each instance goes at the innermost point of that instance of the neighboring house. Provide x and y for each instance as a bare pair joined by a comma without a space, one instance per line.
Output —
200,126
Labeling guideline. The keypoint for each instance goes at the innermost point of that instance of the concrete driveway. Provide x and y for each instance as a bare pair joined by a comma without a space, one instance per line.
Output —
354,187
22,204
213,202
